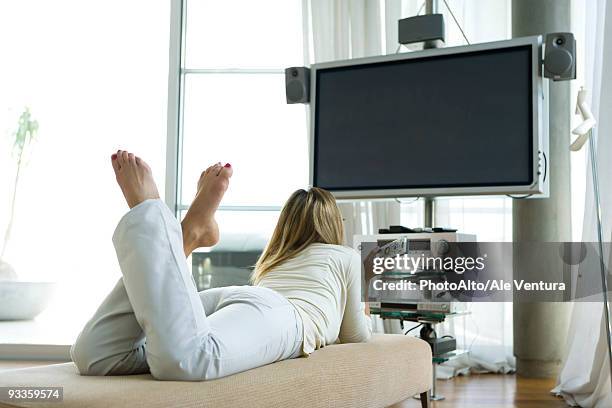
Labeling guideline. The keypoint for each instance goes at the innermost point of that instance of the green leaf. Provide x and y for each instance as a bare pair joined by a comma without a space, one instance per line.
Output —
26,131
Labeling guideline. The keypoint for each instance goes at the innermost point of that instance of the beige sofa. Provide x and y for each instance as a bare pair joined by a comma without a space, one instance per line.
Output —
380,373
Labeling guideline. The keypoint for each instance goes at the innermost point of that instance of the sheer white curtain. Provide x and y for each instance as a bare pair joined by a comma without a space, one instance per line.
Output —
343,29
585,377
487,331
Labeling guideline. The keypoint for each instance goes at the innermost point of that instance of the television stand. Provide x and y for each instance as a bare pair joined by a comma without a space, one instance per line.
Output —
429,320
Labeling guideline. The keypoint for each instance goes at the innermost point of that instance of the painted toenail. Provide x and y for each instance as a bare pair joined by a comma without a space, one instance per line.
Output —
114,156
228,165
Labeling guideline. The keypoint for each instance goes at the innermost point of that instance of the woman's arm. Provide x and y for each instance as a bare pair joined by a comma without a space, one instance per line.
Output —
356,325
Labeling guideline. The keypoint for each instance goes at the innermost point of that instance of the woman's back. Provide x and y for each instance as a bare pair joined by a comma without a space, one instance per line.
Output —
323,282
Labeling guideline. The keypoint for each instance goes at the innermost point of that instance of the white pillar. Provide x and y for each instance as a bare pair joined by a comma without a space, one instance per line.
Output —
540,329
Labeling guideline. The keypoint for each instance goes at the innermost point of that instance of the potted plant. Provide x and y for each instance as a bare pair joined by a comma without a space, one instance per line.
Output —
23,137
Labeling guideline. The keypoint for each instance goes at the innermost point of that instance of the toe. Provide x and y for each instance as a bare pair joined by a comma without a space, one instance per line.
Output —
216,169
212,167
226,171
115,163
125,159
142,163
120,158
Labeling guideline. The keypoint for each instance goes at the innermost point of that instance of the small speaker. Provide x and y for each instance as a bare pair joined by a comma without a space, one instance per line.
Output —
428,27
297,84
560,57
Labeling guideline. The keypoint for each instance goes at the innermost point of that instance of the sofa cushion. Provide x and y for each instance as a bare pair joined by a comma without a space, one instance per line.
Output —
384,371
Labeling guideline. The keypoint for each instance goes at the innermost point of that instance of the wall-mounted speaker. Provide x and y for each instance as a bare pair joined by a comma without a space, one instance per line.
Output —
560,56
297,84
428,27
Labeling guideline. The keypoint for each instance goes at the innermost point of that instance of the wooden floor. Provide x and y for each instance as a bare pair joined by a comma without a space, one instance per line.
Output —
475,391
493,391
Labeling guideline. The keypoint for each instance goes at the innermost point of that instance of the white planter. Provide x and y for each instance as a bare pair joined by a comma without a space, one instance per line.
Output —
24,300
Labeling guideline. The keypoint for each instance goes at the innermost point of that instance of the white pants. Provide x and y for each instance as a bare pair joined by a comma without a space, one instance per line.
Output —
155,321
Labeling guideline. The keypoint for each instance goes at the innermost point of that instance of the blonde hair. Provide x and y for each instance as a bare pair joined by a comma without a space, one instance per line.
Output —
308,216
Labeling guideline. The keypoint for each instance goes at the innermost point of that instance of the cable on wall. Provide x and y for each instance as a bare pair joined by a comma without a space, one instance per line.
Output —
407,202
519,197
543,179
421,8
456,22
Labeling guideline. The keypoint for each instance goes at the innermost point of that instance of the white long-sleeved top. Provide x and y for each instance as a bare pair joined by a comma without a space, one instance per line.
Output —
323,282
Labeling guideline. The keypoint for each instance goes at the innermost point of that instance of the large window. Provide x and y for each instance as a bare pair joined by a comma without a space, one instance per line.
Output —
94,75
230,78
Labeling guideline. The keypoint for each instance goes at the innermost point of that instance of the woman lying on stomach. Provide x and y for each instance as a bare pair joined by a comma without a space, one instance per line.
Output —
306,293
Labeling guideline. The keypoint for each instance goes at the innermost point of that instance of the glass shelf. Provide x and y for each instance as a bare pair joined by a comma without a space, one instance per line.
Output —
410,315
443,358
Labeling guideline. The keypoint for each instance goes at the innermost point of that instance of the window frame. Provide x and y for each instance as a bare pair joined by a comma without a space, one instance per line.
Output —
177,74
175,104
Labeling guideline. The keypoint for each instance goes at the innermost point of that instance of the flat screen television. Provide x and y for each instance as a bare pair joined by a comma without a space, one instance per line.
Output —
451,121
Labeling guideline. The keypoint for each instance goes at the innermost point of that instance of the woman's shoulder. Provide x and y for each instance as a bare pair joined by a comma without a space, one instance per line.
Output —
333,248
335,251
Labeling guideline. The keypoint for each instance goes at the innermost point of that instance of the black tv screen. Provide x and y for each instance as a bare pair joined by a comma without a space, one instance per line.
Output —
451,120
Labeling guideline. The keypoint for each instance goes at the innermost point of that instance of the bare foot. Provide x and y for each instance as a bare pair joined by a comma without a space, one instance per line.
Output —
134,177
199,226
